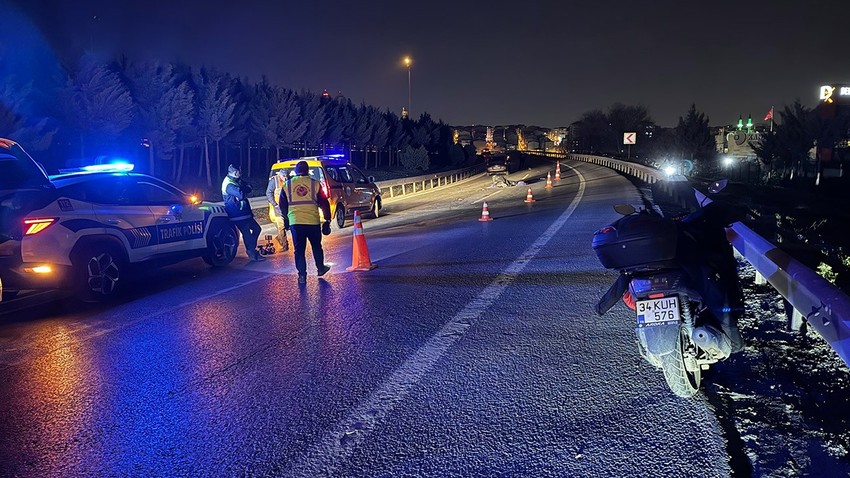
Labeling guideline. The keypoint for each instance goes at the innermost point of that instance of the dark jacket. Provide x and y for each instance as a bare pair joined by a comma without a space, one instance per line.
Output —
235,193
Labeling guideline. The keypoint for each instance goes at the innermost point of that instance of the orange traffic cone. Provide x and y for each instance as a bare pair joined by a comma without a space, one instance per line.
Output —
558,171
529,197
548,180
360,260
485,214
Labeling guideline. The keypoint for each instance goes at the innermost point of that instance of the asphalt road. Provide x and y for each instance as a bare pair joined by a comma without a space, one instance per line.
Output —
470,351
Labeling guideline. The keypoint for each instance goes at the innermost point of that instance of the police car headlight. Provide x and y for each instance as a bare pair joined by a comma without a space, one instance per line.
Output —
40,269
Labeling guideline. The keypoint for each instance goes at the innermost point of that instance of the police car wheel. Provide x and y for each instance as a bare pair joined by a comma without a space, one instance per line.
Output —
222,242
340,216
100,268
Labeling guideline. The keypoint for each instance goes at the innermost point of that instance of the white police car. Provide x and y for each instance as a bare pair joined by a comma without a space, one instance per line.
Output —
86,229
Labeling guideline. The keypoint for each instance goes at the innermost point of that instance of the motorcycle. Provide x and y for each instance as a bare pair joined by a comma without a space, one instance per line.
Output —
678,274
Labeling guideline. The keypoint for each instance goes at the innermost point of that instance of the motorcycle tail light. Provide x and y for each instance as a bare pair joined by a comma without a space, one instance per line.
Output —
639,287
34,226
606,230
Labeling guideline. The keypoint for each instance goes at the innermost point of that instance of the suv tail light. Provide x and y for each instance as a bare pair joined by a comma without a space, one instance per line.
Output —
34,226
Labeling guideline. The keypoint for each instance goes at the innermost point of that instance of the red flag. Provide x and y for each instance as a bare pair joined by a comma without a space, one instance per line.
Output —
769,115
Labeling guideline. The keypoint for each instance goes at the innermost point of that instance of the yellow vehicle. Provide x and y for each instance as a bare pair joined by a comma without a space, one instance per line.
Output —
348,189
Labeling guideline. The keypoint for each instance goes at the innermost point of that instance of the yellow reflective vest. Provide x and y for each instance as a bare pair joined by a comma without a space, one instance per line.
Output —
302,194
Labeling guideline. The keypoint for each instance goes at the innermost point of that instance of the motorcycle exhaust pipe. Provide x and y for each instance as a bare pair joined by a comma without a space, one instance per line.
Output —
714,342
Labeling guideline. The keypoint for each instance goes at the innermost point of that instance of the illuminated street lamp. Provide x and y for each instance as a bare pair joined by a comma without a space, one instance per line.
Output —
407,62
727,161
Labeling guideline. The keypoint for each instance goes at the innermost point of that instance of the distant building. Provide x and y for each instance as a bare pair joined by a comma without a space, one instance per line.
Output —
737,140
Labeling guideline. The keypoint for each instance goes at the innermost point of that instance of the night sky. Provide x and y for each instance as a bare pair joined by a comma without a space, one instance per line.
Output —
495,62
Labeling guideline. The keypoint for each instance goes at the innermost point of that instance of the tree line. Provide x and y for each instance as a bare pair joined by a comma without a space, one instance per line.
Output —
193,122
600,132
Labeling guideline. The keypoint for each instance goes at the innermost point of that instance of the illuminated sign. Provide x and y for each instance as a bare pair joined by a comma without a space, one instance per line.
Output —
828,92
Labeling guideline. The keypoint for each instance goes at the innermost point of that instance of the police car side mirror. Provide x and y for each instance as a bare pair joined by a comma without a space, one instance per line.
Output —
176,210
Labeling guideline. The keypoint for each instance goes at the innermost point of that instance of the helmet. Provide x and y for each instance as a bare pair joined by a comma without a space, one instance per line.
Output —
301,168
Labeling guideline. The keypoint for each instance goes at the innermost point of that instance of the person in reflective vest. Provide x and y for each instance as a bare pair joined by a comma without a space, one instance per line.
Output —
300,200
273,195
235,193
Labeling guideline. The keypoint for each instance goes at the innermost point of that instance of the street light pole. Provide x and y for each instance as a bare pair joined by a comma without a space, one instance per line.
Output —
407,62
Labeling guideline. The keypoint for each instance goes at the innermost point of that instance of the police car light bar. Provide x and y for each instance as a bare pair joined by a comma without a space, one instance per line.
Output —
109,168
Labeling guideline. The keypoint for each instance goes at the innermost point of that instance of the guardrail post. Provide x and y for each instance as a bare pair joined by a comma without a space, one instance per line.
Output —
795,322
760,280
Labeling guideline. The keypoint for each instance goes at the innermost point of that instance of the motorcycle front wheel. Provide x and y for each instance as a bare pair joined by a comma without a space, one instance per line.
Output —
681,371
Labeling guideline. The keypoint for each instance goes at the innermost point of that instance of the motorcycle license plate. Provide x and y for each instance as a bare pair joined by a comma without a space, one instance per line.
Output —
657,311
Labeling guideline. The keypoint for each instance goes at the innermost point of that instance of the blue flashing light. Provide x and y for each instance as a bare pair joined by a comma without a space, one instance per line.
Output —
109,168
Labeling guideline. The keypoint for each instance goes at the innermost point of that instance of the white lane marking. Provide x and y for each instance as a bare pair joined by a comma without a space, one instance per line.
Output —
325,457
524,177
485,197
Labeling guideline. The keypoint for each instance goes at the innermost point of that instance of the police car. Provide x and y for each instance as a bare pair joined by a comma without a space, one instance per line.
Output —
86,229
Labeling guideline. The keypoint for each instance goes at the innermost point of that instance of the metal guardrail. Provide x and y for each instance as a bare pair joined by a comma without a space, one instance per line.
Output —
403,186
822,305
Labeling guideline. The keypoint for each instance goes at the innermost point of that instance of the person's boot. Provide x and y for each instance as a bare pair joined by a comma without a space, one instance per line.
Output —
302,279
324,270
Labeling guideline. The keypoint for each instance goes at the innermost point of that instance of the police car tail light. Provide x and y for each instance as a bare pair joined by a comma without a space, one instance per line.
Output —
34,226
325,188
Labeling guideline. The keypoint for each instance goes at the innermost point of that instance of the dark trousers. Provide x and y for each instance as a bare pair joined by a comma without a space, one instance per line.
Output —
250,233
301,233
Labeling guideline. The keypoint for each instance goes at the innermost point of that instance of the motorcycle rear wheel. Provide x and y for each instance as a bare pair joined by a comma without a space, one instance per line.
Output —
682,381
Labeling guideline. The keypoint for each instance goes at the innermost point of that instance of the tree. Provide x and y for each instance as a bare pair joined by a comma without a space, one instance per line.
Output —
15,123
793,138
165,107
623,119
397,135
242,93
336,123
362,132
215,114
314,113
96,103
287,111
413,159
262,120
693,135
591,131
380,133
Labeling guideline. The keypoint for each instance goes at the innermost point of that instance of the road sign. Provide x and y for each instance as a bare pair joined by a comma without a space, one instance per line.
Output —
629,138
